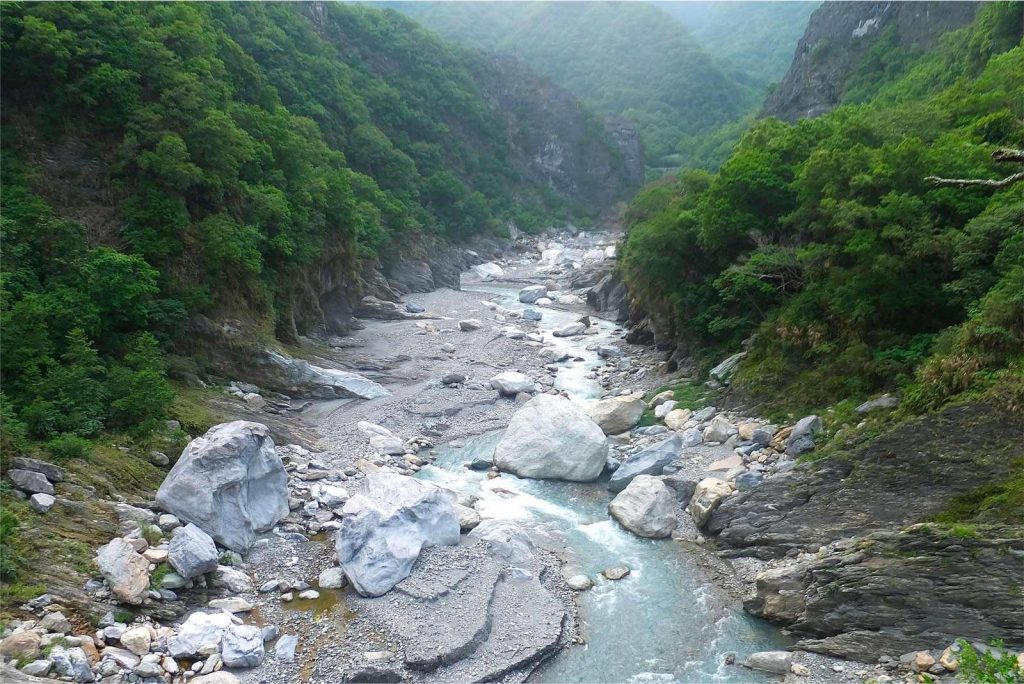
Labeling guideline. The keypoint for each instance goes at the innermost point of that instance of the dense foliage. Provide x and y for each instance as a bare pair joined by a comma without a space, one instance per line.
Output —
624,59
161,159
824,239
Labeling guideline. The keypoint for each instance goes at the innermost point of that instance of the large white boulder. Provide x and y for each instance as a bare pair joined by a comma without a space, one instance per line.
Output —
550,438
230,482
489,270
647,507
511,383
386,524
199,635
382,439
617,414
126,571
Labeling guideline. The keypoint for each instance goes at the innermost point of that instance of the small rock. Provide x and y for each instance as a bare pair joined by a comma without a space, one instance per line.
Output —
453,378
38,668
41,503
580,583
192,552
332,578
30,481
232,604
470,324
284,649
309,594
56,622
800,670
616,572
20,645
776,662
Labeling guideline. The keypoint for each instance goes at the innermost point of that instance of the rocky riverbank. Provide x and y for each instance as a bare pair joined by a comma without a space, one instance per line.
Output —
406,538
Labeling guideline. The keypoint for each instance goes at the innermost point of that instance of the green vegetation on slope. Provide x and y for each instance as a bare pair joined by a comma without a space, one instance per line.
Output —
623,59
163,159
824,239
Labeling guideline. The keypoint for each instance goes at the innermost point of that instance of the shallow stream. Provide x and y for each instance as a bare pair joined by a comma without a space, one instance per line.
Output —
663,622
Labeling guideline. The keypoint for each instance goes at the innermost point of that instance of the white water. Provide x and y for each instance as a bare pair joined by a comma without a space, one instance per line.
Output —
662,623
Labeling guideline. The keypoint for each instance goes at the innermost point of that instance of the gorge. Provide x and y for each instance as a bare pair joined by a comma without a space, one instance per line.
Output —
336,352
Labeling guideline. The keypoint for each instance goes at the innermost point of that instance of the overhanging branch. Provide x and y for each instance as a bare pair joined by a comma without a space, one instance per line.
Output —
1003,155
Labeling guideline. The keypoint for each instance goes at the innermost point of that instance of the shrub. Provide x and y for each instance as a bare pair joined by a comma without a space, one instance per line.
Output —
69,446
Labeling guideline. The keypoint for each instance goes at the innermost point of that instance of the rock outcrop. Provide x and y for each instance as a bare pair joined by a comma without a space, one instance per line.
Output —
617,414
386,524
650,461
550,438
300,378
230,482
840,34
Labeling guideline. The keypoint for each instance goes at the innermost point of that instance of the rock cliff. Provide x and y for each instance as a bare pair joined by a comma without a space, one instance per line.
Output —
840,34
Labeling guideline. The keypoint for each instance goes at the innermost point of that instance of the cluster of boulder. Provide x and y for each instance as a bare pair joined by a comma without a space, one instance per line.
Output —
34,479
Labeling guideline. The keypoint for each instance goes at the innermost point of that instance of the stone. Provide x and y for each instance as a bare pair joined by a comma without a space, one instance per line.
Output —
453,379
511,383
664,408
776,662
230,483
126,571
173,580
414,308
882,403
650,461
331,496
570,330
73,663
616,572
748,480
198,633
38,668
137,640
284,649
159,458
56,622
676,419
382,439
148,668
298,377
192,552
309,595
167,522
609,351
232,604
553,354
468,518
660,398
41,503
242,646
800,670
809,425
950,661
723,371
617,414
488,270
221,677
123,657
448,348
529,295
706,497
691,438
506,540
332,578
50,471
706,413
549,437
719,430
20,645
155,556
579,583
646,507
30,481
727,463
470,324
532,315
386,524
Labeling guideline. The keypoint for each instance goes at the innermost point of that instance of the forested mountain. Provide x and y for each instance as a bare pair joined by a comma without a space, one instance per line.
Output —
251,161
624,59
754,41
821,248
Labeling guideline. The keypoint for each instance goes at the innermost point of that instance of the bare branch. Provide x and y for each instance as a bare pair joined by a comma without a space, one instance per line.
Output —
1007,154
982,182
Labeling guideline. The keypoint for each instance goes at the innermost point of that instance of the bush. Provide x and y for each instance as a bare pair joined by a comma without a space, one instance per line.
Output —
995,665
69,446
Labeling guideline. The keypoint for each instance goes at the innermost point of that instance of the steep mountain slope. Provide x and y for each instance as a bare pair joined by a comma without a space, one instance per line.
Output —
253,163
626,60
823,245
753,40
850,47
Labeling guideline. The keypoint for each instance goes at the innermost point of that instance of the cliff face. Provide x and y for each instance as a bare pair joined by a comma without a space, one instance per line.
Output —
840,34
554,139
